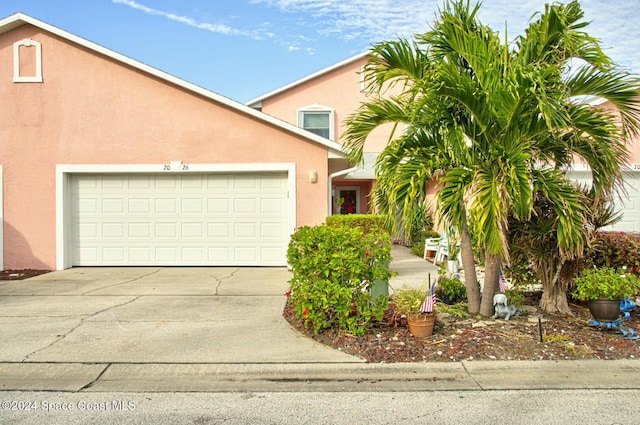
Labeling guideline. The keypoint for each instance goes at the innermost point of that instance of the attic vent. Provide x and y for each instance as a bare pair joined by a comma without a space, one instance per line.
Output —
27,61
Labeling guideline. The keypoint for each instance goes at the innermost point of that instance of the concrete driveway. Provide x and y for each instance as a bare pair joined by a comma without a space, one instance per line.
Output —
153,315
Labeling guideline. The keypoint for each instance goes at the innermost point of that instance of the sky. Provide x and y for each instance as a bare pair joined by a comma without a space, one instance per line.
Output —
242,49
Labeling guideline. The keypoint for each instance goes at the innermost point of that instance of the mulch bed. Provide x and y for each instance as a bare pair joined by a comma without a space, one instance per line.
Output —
456,339
20,274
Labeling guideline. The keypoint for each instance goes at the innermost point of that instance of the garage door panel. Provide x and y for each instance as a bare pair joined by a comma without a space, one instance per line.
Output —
218,206
193,219
192,206
272,206
141,255
218,230
166,206
193,230
139,230
244,206
165,182
139,206
113,230
628,205
113,254
166,230
272,230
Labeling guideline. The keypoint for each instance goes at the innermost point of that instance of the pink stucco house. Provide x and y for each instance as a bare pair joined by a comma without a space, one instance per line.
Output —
320,103
106,161
336,92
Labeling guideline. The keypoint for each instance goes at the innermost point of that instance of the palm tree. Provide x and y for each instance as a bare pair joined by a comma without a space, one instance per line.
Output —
494,125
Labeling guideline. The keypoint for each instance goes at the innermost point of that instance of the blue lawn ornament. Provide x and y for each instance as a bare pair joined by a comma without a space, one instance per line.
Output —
626,305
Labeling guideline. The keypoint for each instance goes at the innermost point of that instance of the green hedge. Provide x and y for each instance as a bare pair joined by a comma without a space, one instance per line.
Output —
333,268
366,222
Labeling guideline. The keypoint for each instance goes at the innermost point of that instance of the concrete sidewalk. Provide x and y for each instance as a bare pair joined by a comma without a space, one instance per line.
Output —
221,329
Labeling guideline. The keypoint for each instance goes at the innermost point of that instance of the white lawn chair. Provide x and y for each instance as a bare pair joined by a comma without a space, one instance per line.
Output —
443,251
431,245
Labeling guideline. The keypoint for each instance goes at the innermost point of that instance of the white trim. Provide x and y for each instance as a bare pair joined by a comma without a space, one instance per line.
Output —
19,19
17,78
64,172
257,101
318,108
1,218
632,166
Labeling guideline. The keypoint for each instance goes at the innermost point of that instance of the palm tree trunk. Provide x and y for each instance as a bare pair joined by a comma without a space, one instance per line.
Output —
492,265
554,289
469,266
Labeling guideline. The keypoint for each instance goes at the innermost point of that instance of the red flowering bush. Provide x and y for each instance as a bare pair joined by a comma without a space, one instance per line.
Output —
617,250
333,270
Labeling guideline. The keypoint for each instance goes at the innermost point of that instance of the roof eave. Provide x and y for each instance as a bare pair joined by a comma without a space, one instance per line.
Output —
257,102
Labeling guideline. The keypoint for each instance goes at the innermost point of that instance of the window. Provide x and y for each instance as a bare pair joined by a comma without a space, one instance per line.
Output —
318,120
27,54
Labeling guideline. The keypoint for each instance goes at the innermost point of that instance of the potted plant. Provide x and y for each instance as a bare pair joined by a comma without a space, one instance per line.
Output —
408,302
603,289
453,250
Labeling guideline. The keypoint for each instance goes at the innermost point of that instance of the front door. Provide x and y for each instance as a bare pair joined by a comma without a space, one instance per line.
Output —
349,200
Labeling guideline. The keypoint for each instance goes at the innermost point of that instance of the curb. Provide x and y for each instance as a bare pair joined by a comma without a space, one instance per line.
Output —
282,377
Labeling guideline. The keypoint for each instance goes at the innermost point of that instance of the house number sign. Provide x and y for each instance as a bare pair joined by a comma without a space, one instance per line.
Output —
175,166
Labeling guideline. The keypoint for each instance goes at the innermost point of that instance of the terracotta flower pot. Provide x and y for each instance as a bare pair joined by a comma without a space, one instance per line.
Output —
421,326
604,310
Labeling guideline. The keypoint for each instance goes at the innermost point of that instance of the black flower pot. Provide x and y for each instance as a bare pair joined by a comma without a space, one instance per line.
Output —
604,310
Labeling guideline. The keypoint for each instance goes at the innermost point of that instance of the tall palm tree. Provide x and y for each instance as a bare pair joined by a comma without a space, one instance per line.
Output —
494,123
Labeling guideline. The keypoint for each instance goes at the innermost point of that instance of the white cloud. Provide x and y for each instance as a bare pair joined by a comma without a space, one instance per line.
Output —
369,21
299,24
257,34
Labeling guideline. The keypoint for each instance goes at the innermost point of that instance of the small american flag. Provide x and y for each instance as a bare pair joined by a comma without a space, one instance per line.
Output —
427,305
504,285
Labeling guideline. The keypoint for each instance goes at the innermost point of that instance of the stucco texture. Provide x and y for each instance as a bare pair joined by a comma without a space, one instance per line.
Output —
92,109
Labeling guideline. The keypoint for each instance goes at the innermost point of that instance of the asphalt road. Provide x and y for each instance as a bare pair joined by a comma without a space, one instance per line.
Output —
528,407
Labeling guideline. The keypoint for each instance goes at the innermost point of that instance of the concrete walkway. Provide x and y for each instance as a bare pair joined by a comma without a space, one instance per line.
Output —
410,270
221,329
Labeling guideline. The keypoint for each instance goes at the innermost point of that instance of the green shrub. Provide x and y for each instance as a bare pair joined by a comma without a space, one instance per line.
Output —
605,282
418,248
458,309
431,234
421,225
366,222
521,273
453,290
333,268
515,297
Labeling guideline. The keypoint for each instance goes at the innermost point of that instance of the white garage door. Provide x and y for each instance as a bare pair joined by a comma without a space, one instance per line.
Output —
179,219
629,206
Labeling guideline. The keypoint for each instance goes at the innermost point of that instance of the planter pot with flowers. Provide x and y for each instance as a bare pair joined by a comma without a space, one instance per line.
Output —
604,289
408,302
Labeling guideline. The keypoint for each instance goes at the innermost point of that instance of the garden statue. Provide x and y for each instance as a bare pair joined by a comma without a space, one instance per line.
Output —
502,309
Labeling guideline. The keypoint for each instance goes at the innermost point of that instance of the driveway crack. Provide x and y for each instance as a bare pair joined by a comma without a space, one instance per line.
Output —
221,280
122,283
70,331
